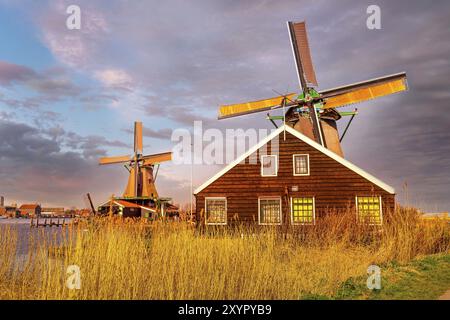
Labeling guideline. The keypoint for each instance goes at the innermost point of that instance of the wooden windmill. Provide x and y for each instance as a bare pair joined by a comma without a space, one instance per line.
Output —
313,112
141,182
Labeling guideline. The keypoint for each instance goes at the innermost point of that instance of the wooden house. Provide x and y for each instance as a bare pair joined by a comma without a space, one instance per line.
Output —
11,211
296,184
30,210
52,212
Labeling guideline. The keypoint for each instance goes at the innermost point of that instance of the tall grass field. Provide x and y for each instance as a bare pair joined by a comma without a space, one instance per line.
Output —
126,259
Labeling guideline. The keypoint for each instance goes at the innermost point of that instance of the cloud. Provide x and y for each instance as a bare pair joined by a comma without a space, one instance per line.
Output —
35,165
50,85
92,146
182,115
11,73
73,48
163,134
114,78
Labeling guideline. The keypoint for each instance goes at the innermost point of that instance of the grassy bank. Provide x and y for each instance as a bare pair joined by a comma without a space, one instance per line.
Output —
425,278
136,260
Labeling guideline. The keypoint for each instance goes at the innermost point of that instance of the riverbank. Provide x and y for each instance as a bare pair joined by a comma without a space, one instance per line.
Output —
425,278
125,259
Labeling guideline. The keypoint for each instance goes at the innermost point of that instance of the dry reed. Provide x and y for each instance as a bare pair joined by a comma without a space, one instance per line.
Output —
123,259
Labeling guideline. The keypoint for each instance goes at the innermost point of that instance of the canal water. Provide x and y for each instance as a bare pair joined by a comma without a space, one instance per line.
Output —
25,233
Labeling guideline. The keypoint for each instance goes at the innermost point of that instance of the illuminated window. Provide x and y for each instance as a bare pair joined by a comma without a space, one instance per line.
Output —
216,211
301,164
269,166
369,209
303,210
269,210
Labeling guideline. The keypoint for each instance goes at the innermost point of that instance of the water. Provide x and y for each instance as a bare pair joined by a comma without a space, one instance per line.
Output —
25,233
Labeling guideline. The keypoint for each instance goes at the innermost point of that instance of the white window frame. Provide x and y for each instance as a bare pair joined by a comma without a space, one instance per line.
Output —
293,165
314,212
381,210
276,165
206,211
259,211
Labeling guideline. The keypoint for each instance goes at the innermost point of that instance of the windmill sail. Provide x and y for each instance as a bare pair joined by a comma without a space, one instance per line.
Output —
235,110
302,54
110,160
364,91
138,137
157,158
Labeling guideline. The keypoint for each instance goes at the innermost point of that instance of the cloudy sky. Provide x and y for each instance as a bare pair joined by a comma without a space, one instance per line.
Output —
68,97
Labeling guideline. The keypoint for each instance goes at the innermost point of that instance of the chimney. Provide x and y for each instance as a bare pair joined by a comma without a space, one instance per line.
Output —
2,201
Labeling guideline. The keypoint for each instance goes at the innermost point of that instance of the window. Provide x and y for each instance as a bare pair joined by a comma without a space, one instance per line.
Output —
269,166
216,211
369,210
269,210
303,210
301,164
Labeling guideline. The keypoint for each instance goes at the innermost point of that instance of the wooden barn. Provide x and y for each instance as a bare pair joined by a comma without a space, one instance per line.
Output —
30,210
295,183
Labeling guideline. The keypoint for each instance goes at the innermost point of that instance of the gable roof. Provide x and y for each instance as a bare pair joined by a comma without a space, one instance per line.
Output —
29,206
308,141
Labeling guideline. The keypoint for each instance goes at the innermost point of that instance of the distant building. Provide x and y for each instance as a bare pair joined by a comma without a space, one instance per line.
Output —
10,211
30,210
52,212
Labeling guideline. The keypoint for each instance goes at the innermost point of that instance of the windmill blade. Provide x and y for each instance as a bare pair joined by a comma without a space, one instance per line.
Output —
302,54
235,110
138,137
364,91
110,160
157,158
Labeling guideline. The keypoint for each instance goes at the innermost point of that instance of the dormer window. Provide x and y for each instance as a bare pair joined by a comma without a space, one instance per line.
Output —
269,166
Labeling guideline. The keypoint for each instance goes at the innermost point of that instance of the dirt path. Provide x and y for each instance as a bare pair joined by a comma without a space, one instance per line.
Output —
445,296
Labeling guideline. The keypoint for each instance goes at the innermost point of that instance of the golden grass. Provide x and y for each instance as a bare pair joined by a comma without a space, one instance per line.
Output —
166,260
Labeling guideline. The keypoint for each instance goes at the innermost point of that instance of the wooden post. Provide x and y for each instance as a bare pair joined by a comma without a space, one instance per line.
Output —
91,204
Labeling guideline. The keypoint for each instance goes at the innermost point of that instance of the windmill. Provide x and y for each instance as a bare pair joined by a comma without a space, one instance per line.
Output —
313,112
141,181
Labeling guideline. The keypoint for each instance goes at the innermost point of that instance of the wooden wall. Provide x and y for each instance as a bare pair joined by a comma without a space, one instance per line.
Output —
333,185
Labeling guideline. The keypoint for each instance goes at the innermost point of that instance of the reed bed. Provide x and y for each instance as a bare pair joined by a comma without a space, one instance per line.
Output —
127,259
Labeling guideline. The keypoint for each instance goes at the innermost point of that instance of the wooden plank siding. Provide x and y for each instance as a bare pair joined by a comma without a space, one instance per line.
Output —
333,185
